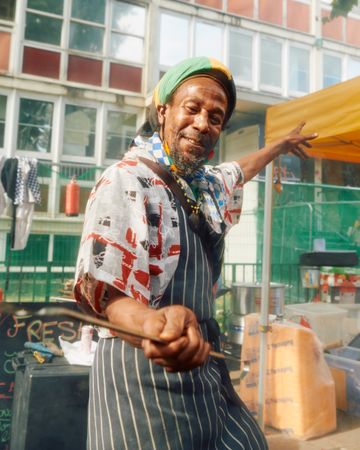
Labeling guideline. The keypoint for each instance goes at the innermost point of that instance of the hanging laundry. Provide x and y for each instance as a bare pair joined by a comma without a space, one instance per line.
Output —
8,180
19,179
8,177
2,190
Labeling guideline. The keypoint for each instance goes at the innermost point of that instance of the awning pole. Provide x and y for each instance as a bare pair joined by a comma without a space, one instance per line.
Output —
265,290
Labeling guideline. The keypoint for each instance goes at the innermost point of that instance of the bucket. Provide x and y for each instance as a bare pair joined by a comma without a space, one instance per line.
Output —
246,298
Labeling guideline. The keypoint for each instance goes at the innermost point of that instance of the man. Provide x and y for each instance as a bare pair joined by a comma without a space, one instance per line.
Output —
151,252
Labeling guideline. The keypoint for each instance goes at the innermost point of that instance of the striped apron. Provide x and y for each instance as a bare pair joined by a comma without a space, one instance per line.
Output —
136,405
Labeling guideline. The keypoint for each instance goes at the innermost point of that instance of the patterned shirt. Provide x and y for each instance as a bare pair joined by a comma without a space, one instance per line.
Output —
131,236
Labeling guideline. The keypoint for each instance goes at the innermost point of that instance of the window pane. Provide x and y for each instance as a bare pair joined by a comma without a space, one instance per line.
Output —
332,70
51,6
127,47
7,9
121,128
299,69
86,38
270,69
35,124
128,18
90,10
354,68
2,119
208,41
43,29
79,131
240,56
174,39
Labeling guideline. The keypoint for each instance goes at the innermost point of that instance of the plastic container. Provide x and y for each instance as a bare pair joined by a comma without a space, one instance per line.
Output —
344,364
325,319
351,321
310,276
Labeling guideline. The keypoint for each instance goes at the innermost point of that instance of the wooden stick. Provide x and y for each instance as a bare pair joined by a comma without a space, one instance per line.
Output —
61,311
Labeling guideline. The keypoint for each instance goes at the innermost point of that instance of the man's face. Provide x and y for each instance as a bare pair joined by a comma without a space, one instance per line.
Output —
192,122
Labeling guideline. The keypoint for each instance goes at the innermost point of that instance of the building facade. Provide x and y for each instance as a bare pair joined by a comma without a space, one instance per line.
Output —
76,77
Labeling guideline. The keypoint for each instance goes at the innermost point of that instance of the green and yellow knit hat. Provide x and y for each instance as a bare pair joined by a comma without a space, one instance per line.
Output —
198,65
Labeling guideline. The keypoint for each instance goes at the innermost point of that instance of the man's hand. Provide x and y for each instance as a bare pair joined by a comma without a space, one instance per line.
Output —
294,142
184,348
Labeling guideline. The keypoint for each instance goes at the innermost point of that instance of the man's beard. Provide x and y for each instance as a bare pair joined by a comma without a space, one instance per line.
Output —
186,165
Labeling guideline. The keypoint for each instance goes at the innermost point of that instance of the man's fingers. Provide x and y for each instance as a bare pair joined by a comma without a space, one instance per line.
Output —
300,153
178,319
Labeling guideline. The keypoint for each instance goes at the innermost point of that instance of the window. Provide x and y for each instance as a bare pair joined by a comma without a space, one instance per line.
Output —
299,69
87,25
208,40
174,39
331,70
83,40
240,56
7,9
2,119
40,26
353,68
127,32
79,131
35,125
270,63
121,128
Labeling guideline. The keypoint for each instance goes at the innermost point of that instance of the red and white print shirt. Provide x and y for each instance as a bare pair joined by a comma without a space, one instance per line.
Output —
131,236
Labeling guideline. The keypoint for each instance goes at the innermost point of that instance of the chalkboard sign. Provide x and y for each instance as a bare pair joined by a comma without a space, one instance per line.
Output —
14,332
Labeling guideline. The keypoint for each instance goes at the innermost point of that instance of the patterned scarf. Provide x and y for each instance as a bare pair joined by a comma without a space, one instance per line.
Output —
201,186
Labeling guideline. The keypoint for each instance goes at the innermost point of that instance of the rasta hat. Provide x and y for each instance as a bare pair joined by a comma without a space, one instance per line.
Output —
190,68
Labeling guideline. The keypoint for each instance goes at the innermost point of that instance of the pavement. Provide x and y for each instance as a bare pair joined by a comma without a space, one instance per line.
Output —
345,437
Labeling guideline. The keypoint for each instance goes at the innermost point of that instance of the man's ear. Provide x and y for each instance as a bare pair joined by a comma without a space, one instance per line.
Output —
161,110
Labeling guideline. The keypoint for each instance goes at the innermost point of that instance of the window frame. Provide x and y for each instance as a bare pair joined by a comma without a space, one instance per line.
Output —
110,109
347,64
64,158
43,98
294,44
5,94
336,55
190,36
254,54
223,30
268,87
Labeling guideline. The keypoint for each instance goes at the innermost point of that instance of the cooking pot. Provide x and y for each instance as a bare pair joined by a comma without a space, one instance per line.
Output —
246,298
236,329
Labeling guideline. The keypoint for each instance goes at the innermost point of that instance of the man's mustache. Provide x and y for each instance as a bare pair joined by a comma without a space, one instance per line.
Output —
199,138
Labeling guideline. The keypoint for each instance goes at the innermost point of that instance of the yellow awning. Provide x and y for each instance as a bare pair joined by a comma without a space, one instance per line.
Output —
333,113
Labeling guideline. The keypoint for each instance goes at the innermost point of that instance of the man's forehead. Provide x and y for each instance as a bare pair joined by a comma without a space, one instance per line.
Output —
193,85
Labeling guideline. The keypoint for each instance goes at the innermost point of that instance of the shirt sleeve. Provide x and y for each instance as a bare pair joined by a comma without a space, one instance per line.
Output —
113,248
227,181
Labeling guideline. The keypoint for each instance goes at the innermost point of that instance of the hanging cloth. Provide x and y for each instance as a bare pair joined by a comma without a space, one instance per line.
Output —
8,180
27,193
2,190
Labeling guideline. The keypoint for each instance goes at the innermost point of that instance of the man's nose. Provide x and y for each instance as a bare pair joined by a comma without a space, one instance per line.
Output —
201,122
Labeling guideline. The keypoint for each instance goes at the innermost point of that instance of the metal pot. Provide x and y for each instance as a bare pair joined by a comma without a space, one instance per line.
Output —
246,298
236,329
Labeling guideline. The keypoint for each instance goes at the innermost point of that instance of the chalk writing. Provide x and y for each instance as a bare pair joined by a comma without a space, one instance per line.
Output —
4,432
14,332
